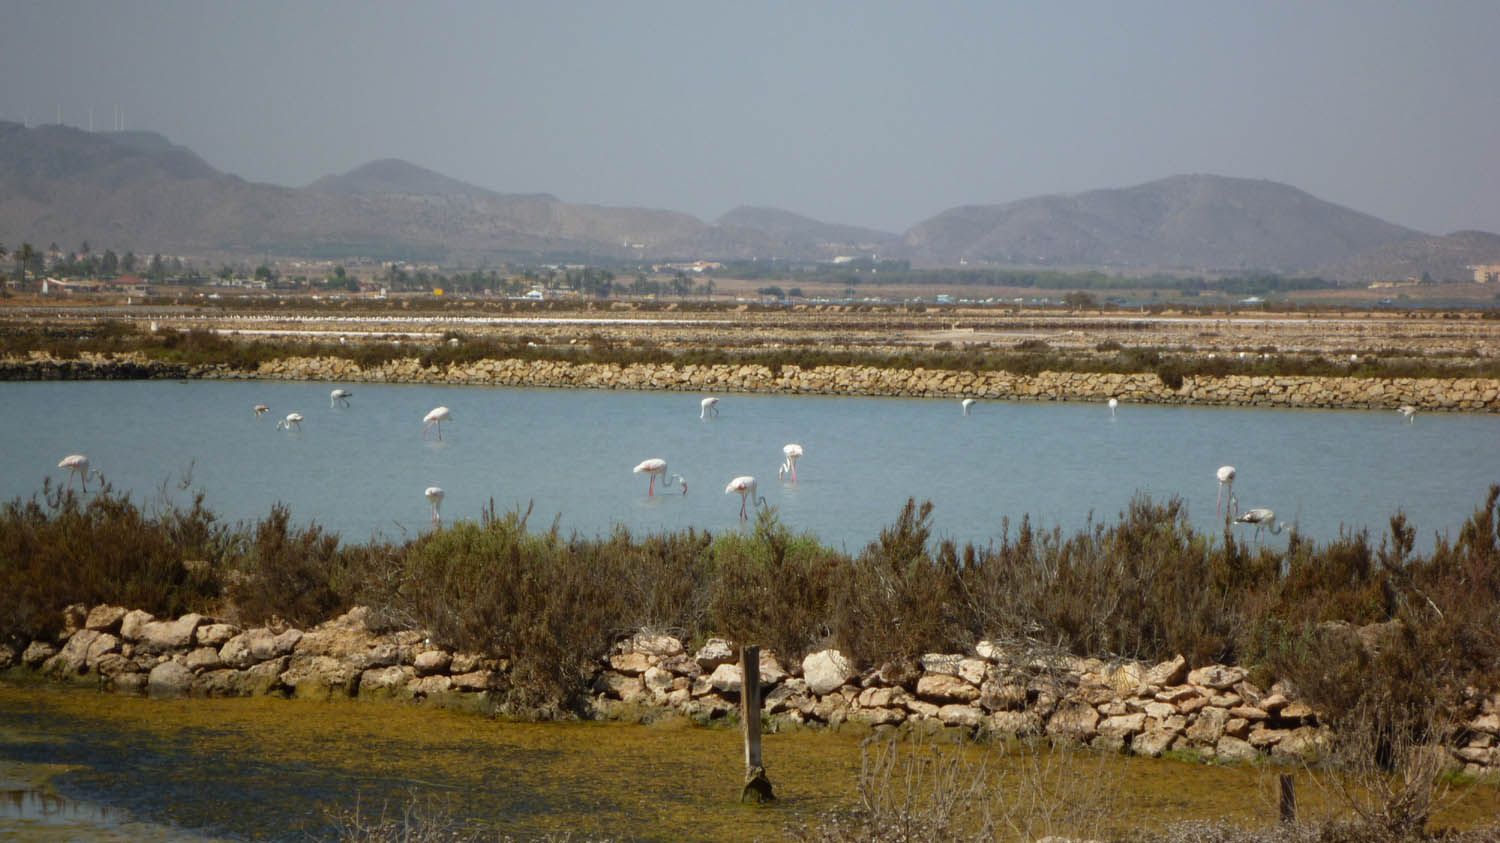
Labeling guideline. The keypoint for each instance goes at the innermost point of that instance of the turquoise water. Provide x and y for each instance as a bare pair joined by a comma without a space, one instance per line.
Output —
362,470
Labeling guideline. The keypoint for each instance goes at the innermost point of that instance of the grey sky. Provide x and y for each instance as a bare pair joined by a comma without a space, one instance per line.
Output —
877,114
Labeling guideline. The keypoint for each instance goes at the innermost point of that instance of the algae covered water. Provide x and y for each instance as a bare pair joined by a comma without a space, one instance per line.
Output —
273,769
361,470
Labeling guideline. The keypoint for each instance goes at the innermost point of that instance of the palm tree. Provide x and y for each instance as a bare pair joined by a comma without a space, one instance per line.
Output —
24,256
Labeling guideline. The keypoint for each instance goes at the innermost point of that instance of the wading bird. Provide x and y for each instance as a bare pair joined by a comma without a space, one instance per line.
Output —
745,487
1226,484
793,453
339,398
435,419
435,497
1408,412
77,466
1113,403
293,421
708,407
261,409
657,467
967,403
1262,518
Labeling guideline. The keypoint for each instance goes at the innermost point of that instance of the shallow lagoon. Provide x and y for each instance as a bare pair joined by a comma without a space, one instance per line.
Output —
277,769
569,454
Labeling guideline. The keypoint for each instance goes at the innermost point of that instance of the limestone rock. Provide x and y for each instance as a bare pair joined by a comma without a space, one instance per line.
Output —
432,662
1073,720
167,636
1153,742
169,679
1216,676
202,658
320,677
619,686
37,652
1234,749
943,688
1208,727
682,665
462,663
74,616
431,686
714,652
656,644
1167,673
632,664
131,623
257,645
879,716
825,671
72,659
789,695
104,618
386,681
1122,725
476,680
941,663
959,715
726,679
215,634
1020,724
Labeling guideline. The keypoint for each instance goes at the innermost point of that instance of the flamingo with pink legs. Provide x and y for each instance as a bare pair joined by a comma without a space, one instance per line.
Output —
657,467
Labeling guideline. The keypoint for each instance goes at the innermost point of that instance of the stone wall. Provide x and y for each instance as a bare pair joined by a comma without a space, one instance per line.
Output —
1214,711
1470,394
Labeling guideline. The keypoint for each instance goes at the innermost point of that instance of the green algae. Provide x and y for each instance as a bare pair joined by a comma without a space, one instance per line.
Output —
218,764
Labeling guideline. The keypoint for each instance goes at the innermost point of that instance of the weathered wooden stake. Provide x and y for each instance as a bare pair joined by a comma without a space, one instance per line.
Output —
757,785
1288,800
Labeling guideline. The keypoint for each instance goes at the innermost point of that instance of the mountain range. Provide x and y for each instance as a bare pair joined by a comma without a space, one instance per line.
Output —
138,190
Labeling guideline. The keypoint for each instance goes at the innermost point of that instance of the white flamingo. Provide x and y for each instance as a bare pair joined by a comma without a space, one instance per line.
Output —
793,452
293,421
435,496
708,407
967,403
744,486
77,466
1113,403
339,398
435,419
1262,518
261,409
1408,412
1226,484
657,467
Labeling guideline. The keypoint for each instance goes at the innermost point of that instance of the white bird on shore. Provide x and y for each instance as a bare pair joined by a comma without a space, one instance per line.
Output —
1226,484
293,421
435,496
339,398
657,467
967,403
793,452
1408,412
744,486
708,407
77,466
261,409
434,419
1113,403
1262,518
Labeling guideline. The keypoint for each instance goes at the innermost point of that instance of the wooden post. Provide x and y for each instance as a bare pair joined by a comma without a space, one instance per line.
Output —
757,785
1288,800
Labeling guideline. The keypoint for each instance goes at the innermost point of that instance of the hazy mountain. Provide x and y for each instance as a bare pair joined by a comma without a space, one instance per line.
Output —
807,232
1441,258
1195,222
137,190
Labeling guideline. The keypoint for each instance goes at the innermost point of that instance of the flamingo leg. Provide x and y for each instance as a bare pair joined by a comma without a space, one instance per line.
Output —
651,489
743,515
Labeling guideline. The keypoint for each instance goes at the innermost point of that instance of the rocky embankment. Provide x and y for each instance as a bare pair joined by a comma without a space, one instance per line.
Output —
1464,394
1213,711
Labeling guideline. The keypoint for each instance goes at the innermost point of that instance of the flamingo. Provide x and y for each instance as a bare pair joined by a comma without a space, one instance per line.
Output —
657,467
708,407
967,403
293,421
77,466
745,486
793,453
339,398
1113,403
1262,518
1226,483
261,409
435,497
1407,411
435,419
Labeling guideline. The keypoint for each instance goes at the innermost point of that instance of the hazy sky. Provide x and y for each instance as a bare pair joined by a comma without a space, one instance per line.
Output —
877,114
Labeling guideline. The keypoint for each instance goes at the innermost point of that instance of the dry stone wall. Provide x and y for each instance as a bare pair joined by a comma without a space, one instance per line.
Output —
1144,709
1467,394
